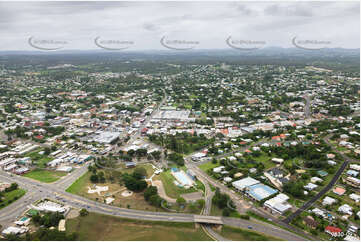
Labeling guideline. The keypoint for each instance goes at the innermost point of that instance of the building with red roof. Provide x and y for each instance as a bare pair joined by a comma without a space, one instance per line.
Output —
332,230
276,138
39,137
282,136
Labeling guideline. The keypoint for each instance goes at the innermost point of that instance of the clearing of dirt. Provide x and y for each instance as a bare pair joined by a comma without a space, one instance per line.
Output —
73,213
98,189
127,193
161,191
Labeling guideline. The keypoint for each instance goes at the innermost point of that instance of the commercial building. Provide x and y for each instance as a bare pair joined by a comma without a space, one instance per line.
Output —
278,204
240,185
260,191
14,230
106,137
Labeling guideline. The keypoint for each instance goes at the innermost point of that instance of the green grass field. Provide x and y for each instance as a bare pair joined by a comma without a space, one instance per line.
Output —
45,175
215,211
209,165
104,228
136,201
265,160
147,167
39,160
244,234
78,186
10,197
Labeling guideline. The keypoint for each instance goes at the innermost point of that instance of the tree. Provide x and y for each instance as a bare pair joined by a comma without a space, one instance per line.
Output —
294,188
83,212
94,178
47,151
12,187
226,212
192,207
220,199
181,201
201,203
133,183
150,191
101,176
140,172
155,200
177,158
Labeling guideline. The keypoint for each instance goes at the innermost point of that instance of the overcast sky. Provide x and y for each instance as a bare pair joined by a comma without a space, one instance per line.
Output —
142,24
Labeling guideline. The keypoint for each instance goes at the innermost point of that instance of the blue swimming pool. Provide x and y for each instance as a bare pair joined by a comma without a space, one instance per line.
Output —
183,178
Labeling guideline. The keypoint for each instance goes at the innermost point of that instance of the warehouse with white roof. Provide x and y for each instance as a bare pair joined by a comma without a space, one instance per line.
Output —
240,185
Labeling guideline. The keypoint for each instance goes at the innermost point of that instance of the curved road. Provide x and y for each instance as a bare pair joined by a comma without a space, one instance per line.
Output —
37,190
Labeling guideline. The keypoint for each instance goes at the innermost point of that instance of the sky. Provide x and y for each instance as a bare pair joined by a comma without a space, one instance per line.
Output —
162,25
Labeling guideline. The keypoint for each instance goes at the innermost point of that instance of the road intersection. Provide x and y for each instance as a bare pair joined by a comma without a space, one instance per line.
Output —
37,190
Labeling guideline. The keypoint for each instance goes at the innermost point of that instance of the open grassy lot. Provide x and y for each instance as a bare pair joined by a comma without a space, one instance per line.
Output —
244,234
79,184
10,197
147,167
102,227
209,165
45,175
265,160
136,201
173,190
39,160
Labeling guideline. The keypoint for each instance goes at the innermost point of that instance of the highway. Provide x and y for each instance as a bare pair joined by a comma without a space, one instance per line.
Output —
243,206
55,191
208,194
37,190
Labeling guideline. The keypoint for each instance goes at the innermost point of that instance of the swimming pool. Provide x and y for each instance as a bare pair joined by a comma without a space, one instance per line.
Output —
183,178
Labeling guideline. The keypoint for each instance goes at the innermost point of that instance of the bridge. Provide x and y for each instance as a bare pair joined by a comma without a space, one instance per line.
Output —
202,219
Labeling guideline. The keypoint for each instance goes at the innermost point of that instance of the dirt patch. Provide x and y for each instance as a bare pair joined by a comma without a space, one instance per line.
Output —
73,213
194,196
161,191
127,193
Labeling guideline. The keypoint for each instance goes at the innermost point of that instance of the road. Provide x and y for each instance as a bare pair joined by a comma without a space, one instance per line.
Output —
307,106
69,179
243,206
146,121
37,190
208,194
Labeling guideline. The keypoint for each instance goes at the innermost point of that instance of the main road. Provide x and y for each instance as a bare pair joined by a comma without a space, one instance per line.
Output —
243,206
37,190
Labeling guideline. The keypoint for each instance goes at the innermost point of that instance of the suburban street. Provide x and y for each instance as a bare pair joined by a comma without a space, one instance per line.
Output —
325,189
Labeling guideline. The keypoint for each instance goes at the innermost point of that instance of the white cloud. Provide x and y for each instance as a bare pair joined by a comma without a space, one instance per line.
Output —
210,23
